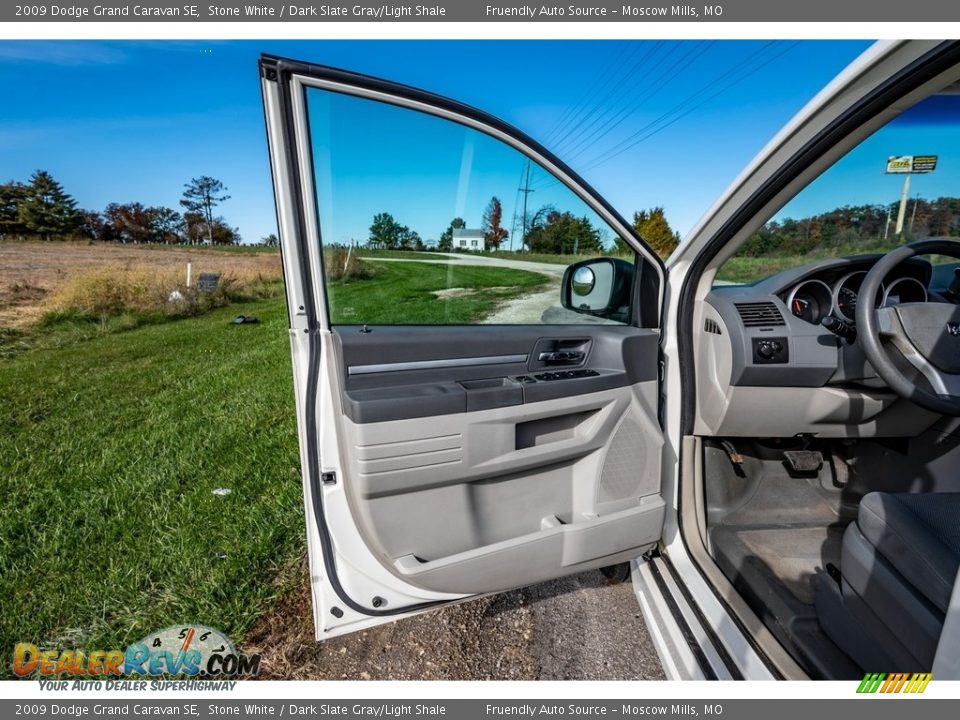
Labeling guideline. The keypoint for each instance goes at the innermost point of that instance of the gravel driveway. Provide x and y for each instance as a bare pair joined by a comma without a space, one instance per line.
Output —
576,628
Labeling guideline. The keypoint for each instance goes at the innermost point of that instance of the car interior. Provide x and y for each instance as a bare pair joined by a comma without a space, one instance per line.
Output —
825,410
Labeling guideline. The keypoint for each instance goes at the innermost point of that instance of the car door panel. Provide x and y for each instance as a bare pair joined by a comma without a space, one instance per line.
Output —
444,461
563,477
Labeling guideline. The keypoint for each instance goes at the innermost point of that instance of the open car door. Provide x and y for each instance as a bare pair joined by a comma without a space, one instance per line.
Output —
468,423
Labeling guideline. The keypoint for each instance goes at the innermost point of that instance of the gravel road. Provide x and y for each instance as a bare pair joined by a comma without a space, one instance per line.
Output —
576,628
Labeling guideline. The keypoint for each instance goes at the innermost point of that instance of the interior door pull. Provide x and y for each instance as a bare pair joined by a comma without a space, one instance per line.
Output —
561,356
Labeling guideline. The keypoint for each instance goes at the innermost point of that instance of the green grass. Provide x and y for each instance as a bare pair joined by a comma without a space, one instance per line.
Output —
503,254
109,454
542,257
400,254
61,328
751,269
402,294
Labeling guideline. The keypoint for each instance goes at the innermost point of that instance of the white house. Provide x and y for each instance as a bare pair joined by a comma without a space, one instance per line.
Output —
466,239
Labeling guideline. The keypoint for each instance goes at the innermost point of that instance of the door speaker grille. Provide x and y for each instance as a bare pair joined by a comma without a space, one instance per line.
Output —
623,468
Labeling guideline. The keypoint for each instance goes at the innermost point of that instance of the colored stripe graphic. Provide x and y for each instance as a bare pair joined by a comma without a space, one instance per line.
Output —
892,683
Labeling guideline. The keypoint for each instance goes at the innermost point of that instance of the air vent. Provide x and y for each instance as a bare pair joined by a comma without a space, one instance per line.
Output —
711,326
759,314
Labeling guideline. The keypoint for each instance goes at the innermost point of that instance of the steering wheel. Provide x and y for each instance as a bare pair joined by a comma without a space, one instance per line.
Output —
926,334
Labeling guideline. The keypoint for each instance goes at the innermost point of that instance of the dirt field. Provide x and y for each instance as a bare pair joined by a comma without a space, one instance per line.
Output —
576,628
29,272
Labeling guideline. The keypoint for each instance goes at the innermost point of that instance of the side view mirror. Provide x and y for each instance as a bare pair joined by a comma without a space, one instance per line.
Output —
599,287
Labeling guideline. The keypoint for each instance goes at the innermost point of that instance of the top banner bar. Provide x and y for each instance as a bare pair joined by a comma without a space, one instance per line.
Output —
647,11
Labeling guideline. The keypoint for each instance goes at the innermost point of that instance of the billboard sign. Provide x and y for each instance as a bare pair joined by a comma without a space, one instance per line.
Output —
909,164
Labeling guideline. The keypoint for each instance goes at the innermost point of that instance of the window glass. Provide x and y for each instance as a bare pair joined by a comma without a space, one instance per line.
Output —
899,185
426,221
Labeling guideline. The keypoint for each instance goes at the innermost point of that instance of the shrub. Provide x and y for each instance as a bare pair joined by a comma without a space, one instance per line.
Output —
141,291
340,263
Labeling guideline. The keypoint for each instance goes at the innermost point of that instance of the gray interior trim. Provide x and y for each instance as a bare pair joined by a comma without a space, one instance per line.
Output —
946,663
555,549
456,369
773,654
435,364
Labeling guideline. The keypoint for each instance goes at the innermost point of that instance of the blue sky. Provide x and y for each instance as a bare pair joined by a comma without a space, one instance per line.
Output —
647,123
928,128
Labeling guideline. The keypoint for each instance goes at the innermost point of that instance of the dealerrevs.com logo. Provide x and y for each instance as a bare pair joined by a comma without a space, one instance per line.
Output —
183,650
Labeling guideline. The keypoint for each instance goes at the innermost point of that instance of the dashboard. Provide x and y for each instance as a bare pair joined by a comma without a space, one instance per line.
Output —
780,357
834,292
798,328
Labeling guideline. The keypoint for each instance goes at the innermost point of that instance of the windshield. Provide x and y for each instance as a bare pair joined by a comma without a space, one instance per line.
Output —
899,185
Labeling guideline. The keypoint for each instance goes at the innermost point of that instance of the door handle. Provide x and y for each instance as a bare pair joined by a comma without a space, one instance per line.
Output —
561,356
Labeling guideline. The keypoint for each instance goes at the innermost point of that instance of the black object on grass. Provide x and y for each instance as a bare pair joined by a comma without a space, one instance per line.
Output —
245,320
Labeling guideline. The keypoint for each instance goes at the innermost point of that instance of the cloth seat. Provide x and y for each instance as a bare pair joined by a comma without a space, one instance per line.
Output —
919,534
898,564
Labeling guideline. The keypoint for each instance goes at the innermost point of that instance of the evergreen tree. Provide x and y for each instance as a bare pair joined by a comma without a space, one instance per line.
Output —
11,195
46,209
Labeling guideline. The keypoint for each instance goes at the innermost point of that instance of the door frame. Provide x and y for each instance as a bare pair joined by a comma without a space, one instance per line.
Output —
284,84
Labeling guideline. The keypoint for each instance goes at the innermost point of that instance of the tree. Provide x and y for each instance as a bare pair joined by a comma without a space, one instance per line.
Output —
493,232
653,227
166,225
92,226
201,196
129,222
410,239
11,195
270,240
446,237
46,209
562,233
386,233
223,234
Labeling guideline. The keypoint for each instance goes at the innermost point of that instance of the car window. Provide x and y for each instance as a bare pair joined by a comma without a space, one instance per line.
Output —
899,185
427,221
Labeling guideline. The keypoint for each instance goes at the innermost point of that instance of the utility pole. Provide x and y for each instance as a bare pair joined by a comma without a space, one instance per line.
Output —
526,193
903,204
886,227
913,215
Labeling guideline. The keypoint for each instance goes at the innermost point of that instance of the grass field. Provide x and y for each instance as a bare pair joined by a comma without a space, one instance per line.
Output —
412,293
751,269
110,453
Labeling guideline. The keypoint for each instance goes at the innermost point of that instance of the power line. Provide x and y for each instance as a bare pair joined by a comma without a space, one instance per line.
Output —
590,140
601,105
569,116
634,140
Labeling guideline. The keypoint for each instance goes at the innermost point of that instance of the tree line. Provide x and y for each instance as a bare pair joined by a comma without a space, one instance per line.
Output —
856,227
42,209
547,230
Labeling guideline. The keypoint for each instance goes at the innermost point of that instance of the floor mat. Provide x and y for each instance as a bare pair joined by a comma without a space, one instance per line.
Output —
794,554
783,500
